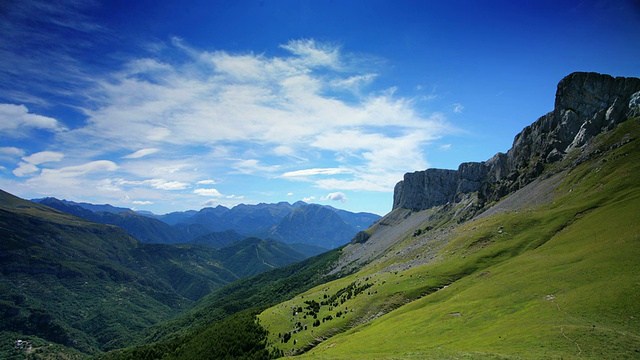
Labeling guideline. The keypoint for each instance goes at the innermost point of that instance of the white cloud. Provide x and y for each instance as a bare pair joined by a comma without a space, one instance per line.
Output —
142,202
28,166
141,153
309,199
160,184
78,170
222,98
335,196
208,192
43,157
280,101
315,171
71,181
457,108
207,182
218,198
10,151
25,169
16,120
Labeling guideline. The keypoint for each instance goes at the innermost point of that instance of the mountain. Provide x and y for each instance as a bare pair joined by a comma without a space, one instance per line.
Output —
531,254
291,223
252,256
314,225
141,227
172,218
211,225
245,219
87,206
360,221
218,239
92,287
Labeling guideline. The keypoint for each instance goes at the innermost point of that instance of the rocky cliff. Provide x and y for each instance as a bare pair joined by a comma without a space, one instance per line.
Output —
586,104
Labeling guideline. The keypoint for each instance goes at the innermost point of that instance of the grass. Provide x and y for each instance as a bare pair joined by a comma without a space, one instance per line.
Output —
557,281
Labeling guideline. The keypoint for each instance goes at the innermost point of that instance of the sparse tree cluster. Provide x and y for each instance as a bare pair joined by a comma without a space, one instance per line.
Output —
312,308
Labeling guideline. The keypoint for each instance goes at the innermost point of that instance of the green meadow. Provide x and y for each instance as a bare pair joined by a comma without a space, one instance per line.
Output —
556,281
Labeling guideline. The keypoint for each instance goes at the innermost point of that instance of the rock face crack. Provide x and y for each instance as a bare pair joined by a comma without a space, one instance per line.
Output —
586,104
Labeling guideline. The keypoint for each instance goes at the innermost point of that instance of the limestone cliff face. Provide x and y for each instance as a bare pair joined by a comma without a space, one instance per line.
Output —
586,104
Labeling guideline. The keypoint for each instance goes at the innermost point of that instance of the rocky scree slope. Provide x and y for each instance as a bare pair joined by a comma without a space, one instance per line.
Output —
586,104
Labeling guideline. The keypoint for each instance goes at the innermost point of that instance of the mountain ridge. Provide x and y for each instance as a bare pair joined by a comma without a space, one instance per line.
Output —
262,220
586,104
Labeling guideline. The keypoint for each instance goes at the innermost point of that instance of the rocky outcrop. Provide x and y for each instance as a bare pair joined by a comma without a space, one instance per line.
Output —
361,237
586,104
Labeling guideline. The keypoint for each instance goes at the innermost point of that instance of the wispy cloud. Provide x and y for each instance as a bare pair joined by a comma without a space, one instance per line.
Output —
316,171
10,151
160,184
141,153
177,122
48,71
43,157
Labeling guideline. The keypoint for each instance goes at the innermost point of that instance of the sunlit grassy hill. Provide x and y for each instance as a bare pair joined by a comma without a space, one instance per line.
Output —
551,271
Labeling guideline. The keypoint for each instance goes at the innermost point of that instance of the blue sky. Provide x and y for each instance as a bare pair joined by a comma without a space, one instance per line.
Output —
175,105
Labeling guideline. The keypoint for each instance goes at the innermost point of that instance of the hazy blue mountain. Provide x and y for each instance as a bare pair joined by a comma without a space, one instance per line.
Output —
172,218
360,221
260,220
275,220
143,228
91,207
314,225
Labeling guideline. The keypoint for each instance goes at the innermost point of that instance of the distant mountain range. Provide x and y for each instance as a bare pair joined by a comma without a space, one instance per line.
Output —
323,227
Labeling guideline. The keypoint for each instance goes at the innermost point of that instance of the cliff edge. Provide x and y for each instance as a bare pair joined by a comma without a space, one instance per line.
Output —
586,104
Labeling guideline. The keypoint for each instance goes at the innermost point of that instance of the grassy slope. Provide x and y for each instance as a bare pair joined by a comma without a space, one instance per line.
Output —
194,334
560,280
